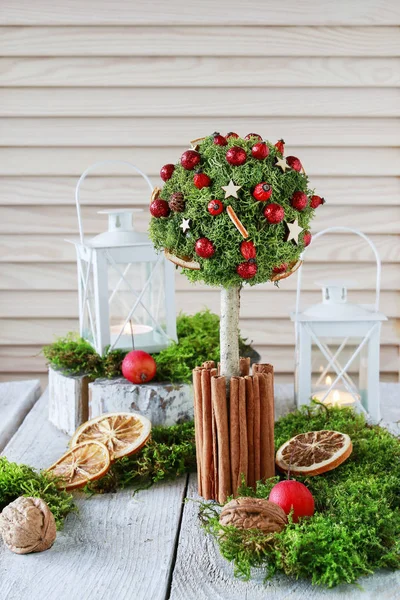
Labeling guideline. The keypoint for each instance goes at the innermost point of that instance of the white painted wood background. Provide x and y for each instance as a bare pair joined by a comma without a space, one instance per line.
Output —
84,80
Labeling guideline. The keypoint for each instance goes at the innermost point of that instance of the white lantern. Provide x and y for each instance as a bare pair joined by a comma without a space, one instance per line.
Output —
337,323
126,290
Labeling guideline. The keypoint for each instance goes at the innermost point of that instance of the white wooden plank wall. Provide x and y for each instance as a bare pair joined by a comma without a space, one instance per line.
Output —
83,81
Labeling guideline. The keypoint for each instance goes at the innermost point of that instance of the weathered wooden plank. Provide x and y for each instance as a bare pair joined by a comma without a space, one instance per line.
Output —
43,248
16,400
267,332
145,132
276,303
115,545
22,359
63,277
129,191
71,161
313,12
191,102
172,41
62,220
201,572
198,72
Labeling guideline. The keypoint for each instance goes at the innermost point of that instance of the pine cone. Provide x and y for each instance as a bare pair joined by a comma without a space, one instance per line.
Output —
254,513
177,202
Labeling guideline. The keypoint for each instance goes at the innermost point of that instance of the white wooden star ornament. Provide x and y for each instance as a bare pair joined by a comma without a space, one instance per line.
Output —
231,189
282,164
294,231
185,225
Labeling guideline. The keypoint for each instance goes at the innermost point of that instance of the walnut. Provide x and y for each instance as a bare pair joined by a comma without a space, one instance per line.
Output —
254,513
27,525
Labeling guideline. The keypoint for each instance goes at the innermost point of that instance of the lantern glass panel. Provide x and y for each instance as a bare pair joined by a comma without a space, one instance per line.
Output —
137,306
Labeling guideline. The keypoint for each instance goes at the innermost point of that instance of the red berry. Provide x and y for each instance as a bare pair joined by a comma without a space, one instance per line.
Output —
219,139
293,495
167,171
248,250
159,208
201,180
307,238
215,207
138,366
281,269
236,156
274,213
204,248
262,191
190,159
299,200
316,201
250,136
246,270
260,150
280,146
294,163
232,135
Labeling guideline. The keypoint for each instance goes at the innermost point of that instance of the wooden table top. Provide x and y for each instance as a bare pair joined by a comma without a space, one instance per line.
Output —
146,547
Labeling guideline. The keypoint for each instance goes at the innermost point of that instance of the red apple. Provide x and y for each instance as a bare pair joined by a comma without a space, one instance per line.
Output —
138,367
293,495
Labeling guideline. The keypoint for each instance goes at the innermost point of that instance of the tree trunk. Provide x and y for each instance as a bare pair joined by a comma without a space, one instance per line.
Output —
229,333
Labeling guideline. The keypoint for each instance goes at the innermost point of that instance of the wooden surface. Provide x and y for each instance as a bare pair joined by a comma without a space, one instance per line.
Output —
16,400
151,546
117,546
84,81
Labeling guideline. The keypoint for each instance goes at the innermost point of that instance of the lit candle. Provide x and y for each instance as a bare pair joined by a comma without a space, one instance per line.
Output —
137,329
335,397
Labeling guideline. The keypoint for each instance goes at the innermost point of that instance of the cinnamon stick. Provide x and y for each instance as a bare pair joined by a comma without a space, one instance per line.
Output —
267,462
243,458
271,420
207,470
250,430
234,432
215,451
257,440
198,423
244,366
219,402
208,364
263,368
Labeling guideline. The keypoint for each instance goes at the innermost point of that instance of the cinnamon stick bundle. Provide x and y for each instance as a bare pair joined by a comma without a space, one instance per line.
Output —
207,472
198,423
250,430
219,402
208,364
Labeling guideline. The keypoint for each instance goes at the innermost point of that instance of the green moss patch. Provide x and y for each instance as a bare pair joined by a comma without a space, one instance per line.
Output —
198,337
21,480
356,527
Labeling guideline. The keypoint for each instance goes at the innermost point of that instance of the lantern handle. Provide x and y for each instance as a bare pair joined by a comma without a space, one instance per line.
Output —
83,177
346,230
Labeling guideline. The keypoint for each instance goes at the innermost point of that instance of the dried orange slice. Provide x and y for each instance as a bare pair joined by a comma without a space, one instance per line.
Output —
314,452
121,433
85,462
183,261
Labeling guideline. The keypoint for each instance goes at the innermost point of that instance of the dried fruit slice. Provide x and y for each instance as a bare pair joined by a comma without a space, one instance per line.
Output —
184,261
291,269
314,452
85,462
121,433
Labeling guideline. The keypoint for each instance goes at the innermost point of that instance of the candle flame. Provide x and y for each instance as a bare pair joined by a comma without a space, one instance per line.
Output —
328,380
336,396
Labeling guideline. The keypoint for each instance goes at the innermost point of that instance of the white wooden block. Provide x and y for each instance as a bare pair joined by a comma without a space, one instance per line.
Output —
68,400
162,403
16,400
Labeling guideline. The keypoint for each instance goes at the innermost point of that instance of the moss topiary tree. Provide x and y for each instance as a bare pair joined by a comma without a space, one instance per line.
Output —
233,211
